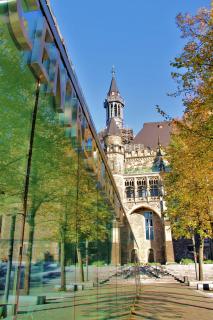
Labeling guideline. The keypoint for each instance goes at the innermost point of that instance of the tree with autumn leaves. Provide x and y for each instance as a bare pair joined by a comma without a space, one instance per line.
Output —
189,183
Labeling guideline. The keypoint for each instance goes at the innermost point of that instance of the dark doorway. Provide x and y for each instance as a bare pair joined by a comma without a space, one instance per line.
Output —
151,257
133,256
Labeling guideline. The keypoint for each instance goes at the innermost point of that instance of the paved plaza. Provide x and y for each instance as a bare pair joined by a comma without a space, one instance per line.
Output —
161,301
158,299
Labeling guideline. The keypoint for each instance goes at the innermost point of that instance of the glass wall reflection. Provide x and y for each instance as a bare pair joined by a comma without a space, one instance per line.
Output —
62,255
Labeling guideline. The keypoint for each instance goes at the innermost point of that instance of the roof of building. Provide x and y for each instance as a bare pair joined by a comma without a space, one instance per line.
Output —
113,129
113,86
154,133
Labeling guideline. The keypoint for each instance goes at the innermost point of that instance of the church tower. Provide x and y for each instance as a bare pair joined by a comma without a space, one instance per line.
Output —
114,147
114,150
114,104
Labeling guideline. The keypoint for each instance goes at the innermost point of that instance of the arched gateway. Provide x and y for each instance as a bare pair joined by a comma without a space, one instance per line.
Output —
148,229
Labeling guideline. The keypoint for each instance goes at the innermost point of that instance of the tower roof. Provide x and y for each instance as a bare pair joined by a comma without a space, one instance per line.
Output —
113,85
113,93
113,129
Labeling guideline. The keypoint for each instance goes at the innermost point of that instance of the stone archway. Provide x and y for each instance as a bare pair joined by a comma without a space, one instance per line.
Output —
139,207
148,229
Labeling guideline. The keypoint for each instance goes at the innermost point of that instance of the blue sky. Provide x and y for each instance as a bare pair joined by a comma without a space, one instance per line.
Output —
138,37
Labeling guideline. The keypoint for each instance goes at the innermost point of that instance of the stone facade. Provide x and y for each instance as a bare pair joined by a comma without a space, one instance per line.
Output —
137,172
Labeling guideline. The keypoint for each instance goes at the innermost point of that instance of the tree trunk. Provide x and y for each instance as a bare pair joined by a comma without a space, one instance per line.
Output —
10,258
25,195
62,260
80,263
29,254
195,256
201,245
87,261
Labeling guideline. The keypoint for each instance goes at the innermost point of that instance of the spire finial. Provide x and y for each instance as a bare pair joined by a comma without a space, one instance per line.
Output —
113,71
159,127
159,141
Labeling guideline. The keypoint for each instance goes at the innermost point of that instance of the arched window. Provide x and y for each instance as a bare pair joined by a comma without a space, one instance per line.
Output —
129,188
115,110
107,112
111,110
142,188
154,187
119,110
149,225
89,144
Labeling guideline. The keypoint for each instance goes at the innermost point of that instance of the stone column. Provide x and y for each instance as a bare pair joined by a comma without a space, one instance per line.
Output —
147,188
121,116
169,250
135,188
116,244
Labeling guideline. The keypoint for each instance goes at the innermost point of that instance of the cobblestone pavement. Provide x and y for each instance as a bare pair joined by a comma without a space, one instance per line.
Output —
161,301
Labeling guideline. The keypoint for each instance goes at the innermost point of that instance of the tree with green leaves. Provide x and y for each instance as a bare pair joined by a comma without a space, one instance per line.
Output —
189,184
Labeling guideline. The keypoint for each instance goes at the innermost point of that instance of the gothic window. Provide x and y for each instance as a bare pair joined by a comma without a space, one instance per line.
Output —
115,110
149,225
129,188
89,144
154,187
142,188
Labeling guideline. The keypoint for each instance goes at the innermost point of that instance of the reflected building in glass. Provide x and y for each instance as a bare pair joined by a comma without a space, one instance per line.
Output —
65,237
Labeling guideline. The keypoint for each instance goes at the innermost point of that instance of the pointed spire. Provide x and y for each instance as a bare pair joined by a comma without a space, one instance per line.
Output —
113,86
159,153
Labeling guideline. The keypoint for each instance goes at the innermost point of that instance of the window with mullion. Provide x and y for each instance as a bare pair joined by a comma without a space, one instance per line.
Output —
141,192
154,187
149,225
129,192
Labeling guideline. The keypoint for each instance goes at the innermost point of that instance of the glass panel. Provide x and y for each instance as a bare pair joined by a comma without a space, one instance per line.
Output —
147,233
58,197
17,100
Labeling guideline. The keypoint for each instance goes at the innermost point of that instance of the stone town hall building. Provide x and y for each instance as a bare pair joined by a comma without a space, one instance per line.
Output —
136,163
